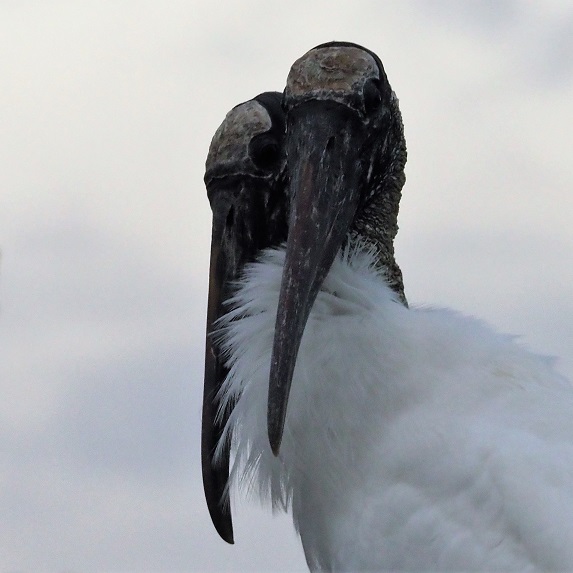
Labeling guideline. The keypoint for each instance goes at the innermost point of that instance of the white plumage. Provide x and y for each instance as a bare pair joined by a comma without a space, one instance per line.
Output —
415,438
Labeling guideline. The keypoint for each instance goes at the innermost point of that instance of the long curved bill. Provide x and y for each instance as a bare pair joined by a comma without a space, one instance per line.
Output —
215,475
248,215
324,168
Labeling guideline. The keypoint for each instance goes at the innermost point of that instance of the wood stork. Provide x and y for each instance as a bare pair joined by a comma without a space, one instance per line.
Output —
245,184
410,438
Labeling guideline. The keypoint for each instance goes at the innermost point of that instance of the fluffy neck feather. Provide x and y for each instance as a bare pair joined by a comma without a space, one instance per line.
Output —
351,291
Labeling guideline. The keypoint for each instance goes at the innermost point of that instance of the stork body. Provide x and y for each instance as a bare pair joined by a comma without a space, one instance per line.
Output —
416,439
400,438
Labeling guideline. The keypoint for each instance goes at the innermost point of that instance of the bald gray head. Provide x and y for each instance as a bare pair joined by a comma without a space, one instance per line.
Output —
234,151
335,73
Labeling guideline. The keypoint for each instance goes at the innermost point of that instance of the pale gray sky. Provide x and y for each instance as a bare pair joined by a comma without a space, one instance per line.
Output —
107,109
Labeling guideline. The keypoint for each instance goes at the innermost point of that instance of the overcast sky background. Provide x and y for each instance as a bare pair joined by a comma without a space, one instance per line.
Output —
107,109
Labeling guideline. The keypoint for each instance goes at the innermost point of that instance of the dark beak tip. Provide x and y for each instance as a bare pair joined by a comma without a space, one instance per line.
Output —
228,538
275,434
275,446
224,526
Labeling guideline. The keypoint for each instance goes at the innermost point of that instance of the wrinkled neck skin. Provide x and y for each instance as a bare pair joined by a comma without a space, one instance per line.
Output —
376,222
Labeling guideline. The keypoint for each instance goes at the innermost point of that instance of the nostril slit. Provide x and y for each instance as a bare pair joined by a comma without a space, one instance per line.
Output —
330,143
230,217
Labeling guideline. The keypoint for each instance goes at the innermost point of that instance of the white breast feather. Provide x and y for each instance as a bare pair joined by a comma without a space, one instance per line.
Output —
415,439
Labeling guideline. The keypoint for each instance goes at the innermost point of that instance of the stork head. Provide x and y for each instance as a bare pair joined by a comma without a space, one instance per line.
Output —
345,165
245,185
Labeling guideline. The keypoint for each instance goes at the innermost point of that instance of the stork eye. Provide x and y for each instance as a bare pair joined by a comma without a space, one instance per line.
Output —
264,152
372,96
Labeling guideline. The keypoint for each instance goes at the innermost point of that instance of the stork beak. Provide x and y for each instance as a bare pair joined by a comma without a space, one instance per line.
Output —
221,271
324,139
233,242
248,215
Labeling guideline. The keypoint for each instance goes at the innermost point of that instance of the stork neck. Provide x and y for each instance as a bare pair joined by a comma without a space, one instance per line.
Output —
384,249
376,221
